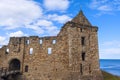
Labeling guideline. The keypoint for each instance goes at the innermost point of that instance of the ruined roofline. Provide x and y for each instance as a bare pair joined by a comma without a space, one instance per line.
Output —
73,24
2,46
81,18
35,37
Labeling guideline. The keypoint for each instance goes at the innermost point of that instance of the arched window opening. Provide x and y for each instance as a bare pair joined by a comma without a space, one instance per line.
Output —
26,68
14,64
83,56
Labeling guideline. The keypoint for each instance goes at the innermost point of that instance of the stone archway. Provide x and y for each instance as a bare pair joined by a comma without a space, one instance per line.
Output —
14,64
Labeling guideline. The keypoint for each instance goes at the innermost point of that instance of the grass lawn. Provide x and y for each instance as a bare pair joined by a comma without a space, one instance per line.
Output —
108,76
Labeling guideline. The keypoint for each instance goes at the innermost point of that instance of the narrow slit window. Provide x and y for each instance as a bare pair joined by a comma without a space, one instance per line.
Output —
83,41
26,68
28,41
41,41
83,56
54,41
81,30
31,50
19,40
81,70
49,50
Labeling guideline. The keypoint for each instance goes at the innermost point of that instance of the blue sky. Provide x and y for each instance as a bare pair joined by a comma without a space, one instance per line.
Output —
46,17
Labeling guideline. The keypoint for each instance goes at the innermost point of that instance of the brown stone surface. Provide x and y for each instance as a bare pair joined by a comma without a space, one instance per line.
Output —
71,58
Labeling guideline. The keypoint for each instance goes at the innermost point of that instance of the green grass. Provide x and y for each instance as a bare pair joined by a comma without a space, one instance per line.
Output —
108,76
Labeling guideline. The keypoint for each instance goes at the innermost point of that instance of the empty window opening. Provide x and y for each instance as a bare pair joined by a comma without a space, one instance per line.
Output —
40,41
83,41
81,71
49,50
31,50
28,41
26,68
19,40
81,30
54,41
83,56
7,51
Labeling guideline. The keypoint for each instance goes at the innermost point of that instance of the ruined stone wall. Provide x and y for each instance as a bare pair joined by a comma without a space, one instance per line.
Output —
71,55
3,56
46,66
65,62
83,57
14,50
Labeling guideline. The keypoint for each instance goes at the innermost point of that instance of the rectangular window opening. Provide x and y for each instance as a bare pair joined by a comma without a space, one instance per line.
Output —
49,50
83,56
19,40
81,30
81,71
41,41
7,51
31,50
83,41
26,68
54,41
28,41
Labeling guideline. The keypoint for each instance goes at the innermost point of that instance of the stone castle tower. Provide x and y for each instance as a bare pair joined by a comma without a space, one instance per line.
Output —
71,55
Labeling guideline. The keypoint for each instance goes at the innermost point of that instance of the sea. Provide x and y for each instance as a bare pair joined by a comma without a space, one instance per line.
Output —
111,66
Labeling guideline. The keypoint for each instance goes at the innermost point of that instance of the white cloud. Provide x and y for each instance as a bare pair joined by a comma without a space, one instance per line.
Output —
53,30
45,23
111,43
109,56
3,41
44,27
105,5
17,34
47,27
36,28
28,14
17,13
110,49
56,4
59,18
105,8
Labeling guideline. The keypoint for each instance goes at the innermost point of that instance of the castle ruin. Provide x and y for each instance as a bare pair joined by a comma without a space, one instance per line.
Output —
71,55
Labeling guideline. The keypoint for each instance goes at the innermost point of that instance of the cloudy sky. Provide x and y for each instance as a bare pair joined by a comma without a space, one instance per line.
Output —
46,17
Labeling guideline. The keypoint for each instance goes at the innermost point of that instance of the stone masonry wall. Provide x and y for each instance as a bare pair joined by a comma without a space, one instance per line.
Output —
71,55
